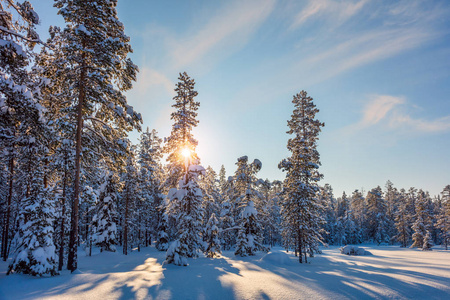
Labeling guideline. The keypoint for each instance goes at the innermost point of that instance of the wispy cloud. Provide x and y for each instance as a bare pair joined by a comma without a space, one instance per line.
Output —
226,31
400,120
392,113
379,33
378,108
338,11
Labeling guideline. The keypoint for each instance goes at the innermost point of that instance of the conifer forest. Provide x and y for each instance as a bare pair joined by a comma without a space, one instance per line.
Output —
73,183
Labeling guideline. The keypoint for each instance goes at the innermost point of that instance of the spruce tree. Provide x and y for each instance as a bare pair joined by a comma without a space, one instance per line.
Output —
250,234
377,218
212,237
444,217
421,227
329,204
34,248
186,201
402,221
104,223
301,208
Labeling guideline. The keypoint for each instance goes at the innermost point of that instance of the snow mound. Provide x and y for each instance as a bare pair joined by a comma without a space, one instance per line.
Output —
278,258
353,250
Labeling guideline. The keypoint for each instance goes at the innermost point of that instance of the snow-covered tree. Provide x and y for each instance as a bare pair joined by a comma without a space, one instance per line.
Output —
359,211
250,234
186,202
150,177
421,227
329,204
249,239
444,217
211,193
391,197
181,136
301,208
104,226
227,223
98,73
376,215
402,221
162,237
130,200
212,237
34,252
21,111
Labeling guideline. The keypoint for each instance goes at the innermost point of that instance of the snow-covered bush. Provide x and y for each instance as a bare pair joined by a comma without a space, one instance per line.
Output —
277,258
175,254
353,250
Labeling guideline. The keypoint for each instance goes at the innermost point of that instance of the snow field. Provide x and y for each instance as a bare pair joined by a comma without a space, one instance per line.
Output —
389,273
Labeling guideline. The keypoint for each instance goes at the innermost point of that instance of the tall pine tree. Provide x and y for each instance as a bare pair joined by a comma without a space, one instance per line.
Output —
99,71
302,209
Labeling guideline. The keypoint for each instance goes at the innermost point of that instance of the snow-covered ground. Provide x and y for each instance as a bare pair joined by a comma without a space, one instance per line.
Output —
390,272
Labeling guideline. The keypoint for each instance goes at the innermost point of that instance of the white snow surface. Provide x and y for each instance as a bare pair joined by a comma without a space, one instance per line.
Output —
390,273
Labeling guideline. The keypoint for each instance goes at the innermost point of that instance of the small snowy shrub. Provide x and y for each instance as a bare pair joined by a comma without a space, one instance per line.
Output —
352,250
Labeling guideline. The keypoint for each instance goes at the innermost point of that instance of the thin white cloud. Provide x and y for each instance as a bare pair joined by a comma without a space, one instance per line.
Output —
391,113
339,11
230,29
420,125
378,108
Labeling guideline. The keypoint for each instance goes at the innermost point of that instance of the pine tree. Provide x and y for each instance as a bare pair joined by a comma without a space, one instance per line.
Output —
444,217
421,227
21,113
181,136
34,248
301,207
377,220
105,218
227,223
212,196
342,224
391,198
99,71
402,221
130,200
249,239
359,211
222,180
212,237
162,238
186,201
150,182
329,203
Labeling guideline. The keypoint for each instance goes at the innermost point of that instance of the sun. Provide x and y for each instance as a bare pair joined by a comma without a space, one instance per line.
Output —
186,152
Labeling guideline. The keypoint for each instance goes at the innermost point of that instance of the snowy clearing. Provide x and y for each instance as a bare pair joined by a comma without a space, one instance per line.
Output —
391,272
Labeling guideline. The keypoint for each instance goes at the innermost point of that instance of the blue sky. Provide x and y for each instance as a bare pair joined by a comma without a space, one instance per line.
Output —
379,71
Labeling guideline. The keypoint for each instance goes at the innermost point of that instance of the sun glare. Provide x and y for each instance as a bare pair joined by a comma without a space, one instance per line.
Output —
186,152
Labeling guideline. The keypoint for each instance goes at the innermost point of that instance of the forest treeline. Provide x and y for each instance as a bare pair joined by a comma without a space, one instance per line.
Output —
71,179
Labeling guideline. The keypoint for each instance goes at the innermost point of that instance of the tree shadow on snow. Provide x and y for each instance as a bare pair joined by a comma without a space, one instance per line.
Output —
199,280
347,278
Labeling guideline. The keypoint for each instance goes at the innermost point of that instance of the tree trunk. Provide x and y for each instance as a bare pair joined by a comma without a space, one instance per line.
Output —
72,263
63,212
125,226
8,211
299,241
